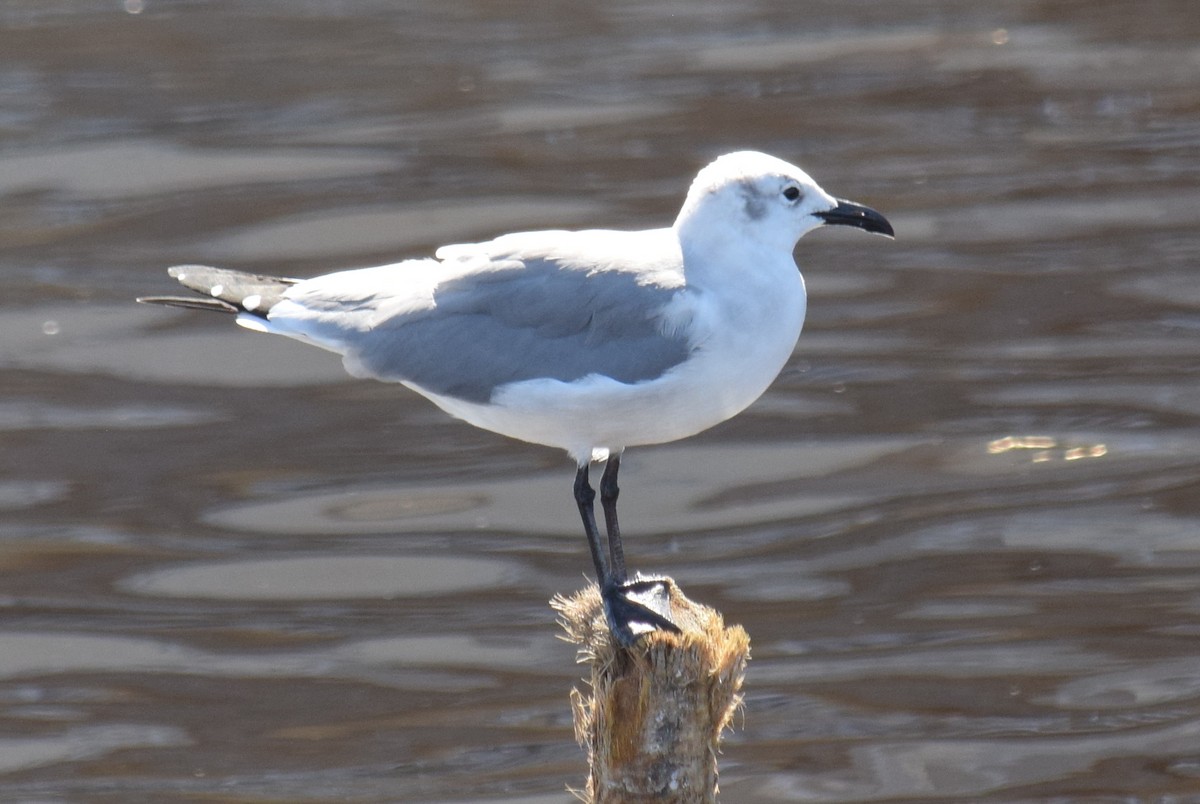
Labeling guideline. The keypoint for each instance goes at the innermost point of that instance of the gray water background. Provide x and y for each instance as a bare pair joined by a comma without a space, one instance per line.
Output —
962,529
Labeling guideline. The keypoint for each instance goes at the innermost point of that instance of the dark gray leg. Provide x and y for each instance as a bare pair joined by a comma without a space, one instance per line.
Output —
608,501
632,608
585,497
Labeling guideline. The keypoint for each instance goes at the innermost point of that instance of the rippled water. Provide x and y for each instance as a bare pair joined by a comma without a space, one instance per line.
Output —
962,529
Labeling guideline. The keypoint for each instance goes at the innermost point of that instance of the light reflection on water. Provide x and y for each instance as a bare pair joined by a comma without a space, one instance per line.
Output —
962,529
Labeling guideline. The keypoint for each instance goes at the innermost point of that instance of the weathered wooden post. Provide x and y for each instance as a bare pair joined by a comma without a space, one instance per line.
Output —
652,721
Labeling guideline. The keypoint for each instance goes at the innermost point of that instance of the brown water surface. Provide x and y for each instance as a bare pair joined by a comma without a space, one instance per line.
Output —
962,529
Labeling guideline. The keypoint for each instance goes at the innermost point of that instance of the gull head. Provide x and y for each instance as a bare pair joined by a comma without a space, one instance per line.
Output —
753,195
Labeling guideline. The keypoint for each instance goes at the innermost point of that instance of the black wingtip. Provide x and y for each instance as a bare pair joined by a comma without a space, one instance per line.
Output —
190,303
223,290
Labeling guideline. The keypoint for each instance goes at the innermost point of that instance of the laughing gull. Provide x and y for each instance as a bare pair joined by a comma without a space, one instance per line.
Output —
590,341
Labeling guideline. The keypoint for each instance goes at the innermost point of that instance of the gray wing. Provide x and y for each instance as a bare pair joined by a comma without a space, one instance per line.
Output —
527,320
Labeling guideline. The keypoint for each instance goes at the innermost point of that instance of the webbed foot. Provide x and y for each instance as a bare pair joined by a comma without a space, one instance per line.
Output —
637,607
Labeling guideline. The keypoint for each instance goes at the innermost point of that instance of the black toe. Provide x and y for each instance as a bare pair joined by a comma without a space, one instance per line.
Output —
637,607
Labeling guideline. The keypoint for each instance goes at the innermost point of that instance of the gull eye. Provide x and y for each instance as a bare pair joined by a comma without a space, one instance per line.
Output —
791,192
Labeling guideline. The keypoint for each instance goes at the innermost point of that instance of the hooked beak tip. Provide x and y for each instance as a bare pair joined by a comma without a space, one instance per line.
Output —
849,213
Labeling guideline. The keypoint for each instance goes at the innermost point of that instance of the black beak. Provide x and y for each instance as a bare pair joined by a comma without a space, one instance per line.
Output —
848,213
